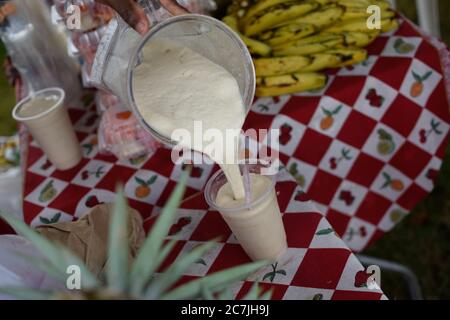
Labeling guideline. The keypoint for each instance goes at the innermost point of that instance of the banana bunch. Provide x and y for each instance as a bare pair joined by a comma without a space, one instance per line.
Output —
292,41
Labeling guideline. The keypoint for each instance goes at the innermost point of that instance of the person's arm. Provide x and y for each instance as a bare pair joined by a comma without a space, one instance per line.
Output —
134,15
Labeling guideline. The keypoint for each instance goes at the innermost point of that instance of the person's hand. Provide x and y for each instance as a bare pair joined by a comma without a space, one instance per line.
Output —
135,16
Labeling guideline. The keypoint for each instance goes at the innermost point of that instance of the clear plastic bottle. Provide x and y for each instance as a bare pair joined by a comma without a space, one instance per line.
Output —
37,49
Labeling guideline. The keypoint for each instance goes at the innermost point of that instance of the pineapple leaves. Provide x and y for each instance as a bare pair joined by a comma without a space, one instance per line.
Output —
117,265
57,255
267,295
175,271
146,264
26,293
253,293
216,281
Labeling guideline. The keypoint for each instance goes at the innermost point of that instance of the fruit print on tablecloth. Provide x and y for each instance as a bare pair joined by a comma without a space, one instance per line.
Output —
51,216
145,186
390,183
46,192
358,233
355,278
339,159
92,198
420,82
274,272
329,116
402,46
201,266
287,267
360,69
290,133
92,173
375,98
383,142
427,178
269,105
348,197
89,146
429,132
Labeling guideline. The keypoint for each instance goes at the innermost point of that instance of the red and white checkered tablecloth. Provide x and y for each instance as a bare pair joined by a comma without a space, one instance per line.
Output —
366,149
317,265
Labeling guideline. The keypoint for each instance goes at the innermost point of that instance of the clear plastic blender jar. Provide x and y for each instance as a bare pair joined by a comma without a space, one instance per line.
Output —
121,53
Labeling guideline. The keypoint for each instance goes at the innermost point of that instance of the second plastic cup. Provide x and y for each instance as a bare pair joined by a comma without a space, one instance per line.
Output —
47,119
257,225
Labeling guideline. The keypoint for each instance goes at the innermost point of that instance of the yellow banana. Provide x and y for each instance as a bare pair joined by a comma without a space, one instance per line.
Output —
287,33
283,80
358,25
254,46
310,45
359,39
384,5
355,3
270,17
361,13
325,2
238,8
279,65
258,7
389,25
321,61
349,56
317,38
297,82
321,18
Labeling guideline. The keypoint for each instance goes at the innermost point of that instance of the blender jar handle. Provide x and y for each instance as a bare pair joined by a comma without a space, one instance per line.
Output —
152,9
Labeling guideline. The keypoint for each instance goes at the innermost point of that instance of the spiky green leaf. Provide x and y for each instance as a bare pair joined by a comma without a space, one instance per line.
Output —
215,281
118,248
267,295
175,271
253,293
26,293
145,264
225,295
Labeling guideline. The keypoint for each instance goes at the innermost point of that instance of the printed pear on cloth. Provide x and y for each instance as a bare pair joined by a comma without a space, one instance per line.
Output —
366,149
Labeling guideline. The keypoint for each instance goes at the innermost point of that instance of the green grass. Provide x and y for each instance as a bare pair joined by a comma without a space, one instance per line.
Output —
421,241
7,101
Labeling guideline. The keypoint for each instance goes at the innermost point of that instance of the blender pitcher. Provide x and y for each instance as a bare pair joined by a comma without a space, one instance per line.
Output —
120,52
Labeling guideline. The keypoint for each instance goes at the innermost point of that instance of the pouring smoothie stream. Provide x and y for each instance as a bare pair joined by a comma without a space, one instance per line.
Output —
174,87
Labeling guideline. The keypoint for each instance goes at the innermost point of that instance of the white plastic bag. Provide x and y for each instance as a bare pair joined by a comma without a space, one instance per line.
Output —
16,271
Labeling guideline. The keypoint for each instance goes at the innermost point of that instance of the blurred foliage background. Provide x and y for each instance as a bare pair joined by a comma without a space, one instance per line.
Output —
421,241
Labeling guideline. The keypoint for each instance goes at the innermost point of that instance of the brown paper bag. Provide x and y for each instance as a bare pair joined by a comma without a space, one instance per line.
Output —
88,237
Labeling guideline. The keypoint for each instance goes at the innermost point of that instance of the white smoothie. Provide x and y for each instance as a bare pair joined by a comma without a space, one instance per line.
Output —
174,86
37,105
48,121
258,227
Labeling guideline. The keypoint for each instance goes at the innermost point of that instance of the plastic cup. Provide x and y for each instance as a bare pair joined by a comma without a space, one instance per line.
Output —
50,126
256,224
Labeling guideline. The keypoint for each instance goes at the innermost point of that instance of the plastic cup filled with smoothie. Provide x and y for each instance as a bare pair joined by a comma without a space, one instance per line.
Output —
255,220
47,119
